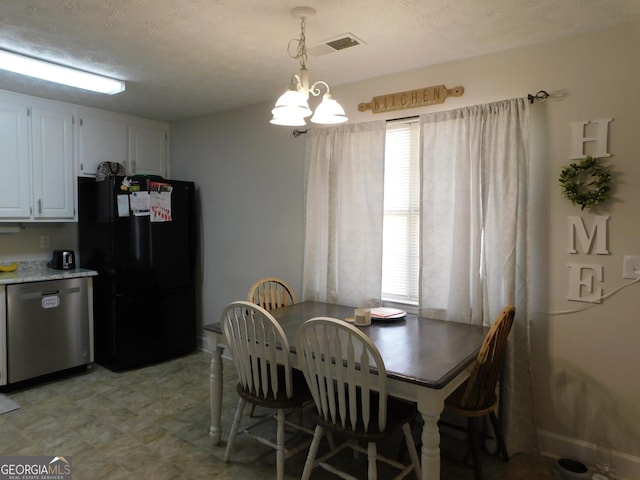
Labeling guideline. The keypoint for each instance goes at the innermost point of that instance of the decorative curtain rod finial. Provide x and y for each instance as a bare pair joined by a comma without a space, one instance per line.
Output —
541,96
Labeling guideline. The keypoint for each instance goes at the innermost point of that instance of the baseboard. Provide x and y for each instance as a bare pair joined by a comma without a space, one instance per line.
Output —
203,344
553,445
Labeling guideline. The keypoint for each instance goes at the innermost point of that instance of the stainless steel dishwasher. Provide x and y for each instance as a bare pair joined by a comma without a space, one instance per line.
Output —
47,327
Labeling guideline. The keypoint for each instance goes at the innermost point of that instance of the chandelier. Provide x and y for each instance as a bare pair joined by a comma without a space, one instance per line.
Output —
293,107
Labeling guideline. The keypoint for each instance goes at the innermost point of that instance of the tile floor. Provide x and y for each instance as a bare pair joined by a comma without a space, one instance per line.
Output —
153,422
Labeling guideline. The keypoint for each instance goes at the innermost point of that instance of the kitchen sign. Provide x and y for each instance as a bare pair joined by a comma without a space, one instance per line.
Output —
421,97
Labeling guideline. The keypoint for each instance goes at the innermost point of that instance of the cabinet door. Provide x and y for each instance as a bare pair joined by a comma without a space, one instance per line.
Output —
101,139
15,178
147,150
53,179
3,334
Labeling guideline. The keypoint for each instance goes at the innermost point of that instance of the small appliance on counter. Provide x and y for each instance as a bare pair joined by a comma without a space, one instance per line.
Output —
63,260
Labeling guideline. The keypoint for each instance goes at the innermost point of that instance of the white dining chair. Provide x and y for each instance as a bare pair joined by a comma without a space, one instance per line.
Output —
348,381
260,353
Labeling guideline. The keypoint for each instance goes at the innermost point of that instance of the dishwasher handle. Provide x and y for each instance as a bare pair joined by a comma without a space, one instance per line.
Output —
35,294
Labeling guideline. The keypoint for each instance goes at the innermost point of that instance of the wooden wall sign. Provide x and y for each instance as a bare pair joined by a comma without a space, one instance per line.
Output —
421,97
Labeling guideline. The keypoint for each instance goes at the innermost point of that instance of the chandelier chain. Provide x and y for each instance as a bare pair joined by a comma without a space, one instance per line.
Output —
301,48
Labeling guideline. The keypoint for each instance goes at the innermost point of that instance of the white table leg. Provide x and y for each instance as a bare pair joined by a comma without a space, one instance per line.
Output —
215,394
431,406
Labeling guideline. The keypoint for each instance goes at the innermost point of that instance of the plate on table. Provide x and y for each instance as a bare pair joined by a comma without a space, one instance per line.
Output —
384,314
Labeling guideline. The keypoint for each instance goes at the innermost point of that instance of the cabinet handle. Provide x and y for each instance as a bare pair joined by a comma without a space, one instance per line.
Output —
39,205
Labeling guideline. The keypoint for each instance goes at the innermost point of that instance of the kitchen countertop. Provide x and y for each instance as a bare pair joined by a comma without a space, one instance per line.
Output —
37,271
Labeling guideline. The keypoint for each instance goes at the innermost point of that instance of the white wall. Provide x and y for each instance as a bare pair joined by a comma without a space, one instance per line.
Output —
250,181
25,244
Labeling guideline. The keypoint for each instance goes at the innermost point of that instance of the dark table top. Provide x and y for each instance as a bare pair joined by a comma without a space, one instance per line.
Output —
417,350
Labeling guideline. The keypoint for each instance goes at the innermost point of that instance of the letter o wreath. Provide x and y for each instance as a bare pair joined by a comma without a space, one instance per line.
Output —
585,183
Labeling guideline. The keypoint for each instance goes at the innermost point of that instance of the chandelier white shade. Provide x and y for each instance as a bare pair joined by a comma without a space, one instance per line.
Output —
292,107
52,72
329,111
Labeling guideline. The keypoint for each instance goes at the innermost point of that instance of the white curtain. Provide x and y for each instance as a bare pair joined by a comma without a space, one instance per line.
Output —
474,228
474,235
344,214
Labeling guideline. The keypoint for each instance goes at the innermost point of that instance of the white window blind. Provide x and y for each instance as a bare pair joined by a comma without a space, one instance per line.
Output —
401,232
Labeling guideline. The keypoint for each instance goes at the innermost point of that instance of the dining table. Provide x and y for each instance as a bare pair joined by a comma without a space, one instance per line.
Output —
425,359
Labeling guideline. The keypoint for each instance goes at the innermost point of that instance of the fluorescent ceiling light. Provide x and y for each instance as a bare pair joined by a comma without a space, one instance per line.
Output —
59,74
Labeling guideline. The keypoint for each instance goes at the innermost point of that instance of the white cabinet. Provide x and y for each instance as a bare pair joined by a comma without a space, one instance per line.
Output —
3,335
138,144
102,137
52,151
147,150
15,181
42,150
36,161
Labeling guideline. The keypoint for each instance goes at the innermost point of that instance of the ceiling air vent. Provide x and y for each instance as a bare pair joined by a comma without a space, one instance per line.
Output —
346,40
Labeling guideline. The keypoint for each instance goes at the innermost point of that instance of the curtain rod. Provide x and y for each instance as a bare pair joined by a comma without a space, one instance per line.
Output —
541,96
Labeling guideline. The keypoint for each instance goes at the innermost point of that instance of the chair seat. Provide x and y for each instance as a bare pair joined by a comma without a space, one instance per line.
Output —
454,403
301,393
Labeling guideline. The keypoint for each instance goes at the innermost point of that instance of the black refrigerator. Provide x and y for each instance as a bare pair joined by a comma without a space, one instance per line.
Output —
139,234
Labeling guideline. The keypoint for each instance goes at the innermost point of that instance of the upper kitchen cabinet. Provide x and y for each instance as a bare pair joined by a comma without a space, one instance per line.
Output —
36,158
52,150
138,144
102,137
147,150
15,181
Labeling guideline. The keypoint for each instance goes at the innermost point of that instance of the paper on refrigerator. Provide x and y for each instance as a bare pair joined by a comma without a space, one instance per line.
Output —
160,197
139,203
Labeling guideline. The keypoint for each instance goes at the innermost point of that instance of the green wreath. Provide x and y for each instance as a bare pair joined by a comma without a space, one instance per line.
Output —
585,183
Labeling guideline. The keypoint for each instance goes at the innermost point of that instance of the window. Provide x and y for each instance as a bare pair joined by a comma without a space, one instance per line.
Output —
401,231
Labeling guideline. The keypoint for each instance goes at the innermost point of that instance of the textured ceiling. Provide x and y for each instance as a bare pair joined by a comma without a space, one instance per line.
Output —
183,58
